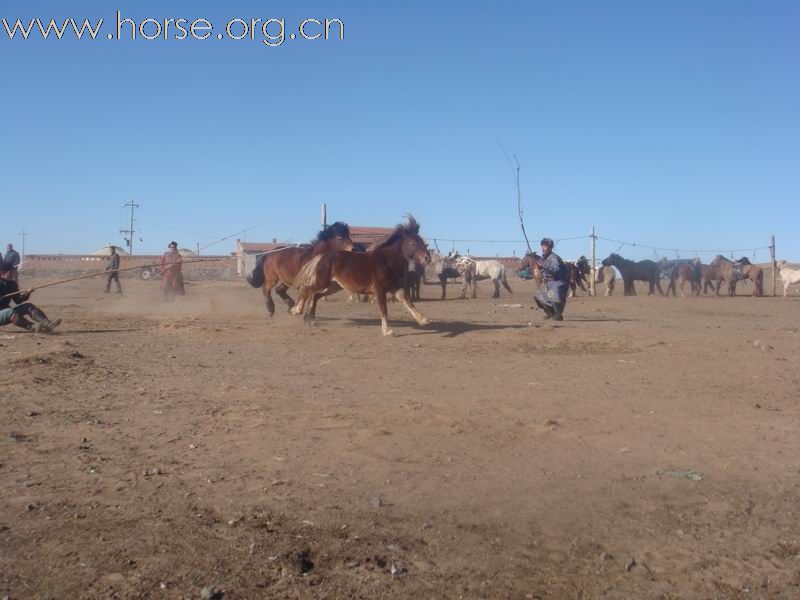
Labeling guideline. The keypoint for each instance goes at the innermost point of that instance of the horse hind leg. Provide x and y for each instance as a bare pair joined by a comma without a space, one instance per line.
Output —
380,294
268,299
496,288
281,290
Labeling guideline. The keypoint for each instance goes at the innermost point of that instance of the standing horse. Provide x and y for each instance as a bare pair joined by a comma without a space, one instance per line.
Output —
445,269
609,276
732,272
382,270
683,270
644,270
476,270
788,276
578,271
530,261
279,269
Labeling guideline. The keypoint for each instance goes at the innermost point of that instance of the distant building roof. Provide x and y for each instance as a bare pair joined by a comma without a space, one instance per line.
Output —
369,235
252,247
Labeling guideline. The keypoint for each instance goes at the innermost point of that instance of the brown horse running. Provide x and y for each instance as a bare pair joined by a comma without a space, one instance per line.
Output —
383,269
644,270
732,272
279,269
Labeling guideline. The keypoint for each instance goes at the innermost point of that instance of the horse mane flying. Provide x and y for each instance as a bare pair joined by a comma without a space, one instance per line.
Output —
411,227
333,230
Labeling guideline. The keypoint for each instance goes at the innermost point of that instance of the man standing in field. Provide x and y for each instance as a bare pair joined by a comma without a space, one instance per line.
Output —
171,272
113,270
552,296
12,256
9,291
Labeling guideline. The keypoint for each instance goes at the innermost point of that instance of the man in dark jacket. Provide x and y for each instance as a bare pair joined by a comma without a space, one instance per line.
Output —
17,315
113,270
12,256
552,296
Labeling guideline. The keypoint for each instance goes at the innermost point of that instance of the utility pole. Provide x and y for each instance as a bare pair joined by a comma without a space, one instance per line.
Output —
594,263
129,232
774,263
324,216
23,235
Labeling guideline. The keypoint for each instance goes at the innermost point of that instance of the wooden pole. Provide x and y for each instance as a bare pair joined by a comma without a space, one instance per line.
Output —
594,263
774,265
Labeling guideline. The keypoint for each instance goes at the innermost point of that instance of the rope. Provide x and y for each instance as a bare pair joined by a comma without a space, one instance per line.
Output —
676,250
100,273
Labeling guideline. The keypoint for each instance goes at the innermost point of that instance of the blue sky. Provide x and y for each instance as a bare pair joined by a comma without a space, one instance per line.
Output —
672,124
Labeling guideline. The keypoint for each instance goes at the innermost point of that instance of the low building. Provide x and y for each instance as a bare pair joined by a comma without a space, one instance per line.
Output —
247,254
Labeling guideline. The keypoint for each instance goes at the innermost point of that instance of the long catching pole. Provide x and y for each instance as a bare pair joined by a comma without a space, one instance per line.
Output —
594,263
515,169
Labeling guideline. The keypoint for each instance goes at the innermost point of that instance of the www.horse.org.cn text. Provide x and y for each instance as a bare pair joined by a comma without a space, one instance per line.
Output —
270,32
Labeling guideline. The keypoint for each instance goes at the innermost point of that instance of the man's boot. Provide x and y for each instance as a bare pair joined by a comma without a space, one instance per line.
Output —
43,324
22,322
558,311
548,311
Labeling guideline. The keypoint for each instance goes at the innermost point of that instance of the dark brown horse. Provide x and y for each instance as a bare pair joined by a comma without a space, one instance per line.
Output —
683,271
644,270
279,269
383,269
445,269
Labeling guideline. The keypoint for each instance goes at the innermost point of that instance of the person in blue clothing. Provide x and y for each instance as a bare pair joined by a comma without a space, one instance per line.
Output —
552,296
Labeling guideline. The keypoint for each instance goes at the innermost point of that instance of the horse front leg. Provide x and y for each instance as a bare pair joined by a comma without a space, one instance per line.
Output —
409,304
380,294
443,281
311,316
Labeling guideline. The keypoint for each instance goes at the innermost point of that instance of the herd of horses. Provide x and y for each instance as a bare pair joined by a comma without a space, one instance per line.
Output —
396,267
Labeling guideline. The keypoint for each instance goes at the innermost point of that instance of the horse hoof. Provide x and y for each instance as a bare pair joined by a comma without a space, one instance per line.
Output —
389,333
424,322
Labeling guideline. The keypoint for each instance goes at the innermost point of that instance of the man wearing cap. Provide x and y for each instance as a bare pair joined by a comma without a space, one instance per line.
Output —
12,256
552,296
171,272
113,270
17,315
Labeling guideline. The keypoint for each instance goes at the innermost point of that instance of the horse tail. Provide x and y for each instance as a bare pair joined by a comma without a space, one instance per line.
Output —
256,278
307,275
504,281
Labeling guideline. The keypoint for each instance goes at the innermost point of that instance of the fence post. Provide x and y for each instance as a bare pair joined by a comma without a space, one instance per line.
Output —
594,263
774,263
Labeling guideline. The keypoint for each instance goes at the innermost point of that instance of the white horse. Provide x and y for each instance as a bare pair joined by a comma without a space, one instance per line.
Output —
609,275
475,270
788,276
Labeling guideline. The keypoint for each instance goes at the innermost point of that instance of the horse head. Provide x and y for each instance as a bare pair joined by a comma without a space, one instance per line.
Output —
611,260
407,240
744,261
338,234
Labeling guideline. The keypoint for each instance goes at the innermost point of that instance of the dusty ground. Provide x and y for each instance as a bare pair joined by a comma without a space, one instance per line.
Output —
149,451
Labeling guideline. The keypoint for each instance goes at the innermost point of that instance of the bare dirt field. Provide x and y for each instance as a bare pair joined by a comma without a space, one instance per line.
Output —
645,448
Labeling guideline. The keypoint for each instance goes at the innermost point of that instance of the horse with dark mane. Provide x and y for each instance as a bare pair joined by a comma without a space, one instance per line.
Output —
732,272
683,270
578,271
382,270
643,270
278,269
445,269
